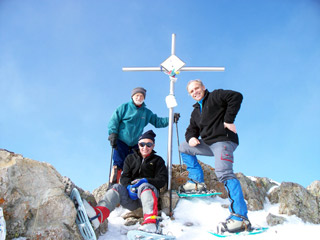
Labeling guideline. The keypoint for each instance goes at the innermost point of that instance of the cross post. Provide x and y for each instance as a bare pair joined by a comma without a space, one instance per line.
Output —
171,66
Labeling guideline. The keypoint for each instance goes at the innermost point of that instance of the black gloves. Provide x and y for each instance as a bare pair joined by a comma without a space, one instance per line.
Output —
176,117
113,140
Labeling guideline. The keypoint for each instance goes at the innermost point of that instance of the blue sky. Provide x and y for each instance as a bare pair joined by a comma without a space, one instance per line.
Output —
61,78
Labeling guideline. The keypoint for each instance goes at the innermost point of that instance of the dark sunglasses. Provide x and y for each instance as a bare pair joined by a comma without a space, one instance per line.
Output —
148,144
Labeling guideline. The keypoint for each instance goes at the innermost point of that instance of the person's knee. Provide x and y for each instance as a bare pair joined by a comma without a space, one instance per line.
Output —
147,186
118,187
183,148
111,199
190,160
224,175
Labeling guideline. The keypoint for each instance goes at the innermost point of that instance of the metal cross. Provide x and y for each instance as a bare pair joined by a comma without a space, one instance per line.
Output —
171,66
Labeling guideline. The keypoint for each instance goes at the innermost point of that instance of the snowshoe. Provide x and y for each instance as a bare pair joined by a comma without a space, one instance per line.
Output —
234,226
193,187
203,194
2,226
149,231
138,234
252,231
82,219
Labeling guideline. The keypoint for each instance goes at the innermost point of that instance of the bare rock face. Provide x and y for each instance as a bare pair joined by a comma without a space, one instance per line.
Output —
314,188
296,200
273,195
32,195
100,191
274,220
164,201
255,190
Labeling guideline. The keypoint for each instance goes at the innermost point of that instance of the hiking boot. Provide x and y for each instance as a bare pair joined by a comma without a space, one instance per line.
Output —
149,227
96,215
91,214
191,187
234,226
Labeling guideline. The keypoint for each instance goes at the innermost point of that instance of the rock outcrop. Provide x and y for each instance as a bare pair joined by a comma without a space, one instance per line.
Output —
294,199
36,203
32,195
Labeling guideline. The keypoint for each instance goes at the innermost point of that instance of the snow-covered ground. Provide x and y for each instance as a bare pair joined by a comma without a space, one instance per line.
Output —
193,218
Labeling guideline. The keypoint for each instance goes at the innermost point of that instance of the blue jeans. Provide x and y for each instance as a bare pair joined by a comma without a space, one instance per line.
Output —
121,152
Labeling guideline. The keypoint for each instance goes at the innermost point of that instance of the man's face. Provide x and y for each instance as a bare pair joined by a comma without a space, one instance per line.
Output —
145,146
138,98
196,91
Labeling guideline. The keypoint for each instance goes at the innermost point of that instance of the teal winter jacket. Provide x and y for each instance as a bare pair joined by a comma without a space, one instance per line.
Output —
128,122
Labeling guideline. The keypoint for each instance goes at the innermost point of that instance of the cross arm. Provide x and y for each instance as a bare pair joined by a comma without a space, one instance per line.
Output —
160,69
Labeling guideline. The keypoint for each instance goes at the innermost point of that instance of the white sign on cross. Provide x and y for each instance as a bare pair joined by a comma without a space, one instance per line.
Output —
171,66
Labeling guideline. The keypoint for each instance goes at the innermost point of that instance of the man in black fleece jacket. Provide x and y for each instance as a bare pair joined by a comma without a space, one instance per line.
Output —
212,132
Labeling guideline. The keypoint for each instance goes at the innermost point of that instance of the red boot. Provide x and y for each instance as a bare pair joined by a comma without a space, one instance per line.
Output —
96,214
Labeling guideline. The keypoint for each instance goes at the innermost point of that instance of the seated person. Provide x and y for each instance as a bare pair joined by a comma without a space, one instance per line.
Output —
144,173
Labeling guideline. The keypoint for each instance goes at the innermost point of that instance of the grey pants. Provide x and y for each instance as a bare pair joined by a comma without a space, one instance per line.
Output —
222,152
119,195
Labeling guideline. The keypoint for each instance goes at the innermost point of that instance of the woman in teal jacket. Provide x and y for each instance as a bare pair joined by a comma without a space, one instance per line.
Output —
125,127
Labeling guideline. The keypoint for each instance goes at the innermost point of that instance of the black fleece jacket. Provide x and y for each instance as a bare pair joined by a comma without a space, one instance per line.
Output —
153,169
218,107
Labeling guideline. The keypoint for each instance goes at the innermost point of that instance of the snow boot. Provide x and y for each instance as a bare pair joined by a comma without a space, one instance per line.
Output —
149,202
234,226
100,213
96,215
238,220
191,187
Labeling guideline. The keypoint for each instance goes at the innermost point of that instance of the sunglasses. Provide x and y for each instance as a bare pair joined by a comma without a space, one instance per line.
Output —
148,144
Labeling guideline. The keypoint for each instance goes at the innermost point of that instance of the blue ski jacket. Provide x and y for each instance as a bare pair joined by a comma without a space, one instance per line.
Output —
128,121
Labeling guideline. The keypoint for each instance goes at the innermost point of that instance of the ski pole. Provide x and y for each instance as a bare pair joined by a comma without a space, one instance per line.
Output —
176,122
112,151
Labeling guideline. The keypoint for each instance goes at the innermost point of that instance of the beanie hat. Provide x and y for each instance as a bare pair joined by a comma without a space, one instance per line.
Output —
139,90
149,135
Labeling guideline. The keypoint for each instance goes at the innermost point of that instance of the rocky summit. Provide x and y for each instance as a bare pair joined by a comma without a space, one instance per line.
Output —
36,204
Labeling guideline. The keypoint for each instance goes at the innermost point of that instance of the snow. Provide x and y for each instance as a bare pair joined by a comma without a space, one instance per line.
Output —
194,217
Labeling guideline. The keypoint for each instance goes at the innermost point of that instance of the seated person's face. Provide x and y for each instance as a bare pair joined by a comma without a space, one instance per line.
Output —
145,146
